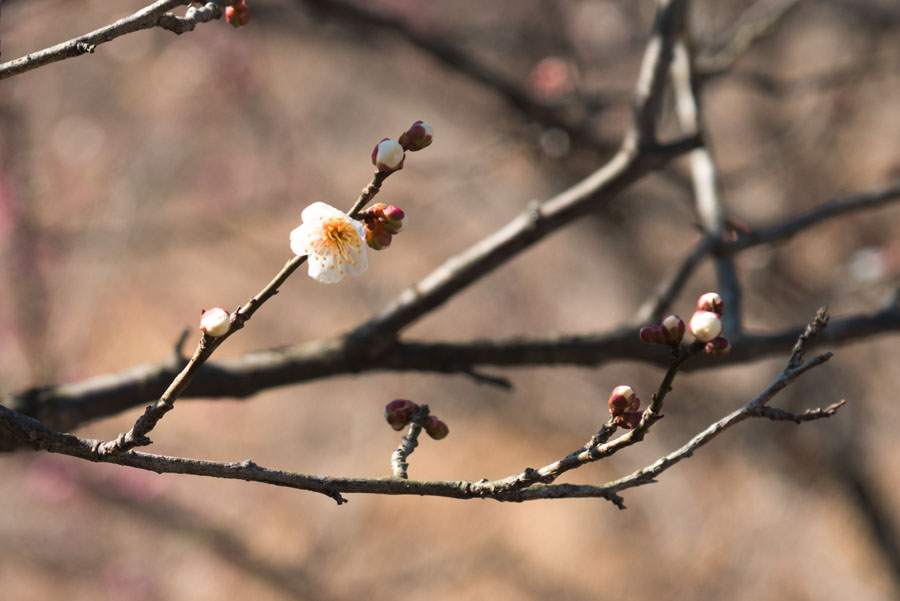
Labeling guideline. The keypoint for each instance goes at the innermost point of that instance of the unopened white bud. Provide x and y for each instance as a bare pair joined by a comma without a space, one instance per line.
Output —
215,322
388,155
710,301
705,325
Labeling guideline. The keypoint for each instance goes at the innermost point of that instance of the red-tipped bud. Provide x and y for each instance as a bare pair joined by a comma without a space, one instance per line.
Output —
717,346
653,334
435,428
215,322
388,156
705,325
629,419
394,219
399,412
710,302
673,329
622,399
417,137
382,221
237,14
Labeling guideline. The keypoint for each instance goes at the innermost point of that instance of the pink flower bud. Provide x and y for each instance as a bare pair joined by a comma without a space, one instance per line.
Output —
399,412
237,14
394,219
710,302
388,156
621,399
215,322
673,328
705,325
717,346
435,428
652,334
417,137
629,419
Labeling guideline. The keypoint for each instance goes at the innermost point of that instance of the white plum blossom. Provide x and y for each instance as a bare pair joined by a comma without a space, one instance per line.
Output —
215,322
334,243
705,325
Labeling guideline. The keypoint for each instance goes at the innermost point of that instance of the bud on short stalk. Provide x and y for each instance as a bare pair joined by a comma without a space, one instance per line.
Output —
398,413
673,329
215,322
417,137
388,156
623,399
238,14
705,325
435,428
393,218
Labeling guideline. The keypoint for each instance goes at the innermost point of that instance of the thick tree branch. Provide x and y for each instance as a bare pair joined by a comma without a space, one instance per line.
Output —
66,406
526,486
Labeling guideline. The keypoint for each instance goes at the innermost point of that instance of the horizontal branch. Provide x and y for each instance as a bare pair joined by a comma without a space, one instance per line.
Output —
65,406
526,486
154,15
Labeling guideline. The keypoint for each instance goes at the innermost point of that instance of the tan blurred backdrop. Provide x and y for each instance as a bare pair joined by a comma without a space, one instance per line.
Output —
163,173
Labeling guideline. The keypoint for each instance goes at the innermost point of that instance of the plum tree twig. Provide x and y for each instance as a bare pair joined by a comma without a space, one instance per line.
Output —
153,15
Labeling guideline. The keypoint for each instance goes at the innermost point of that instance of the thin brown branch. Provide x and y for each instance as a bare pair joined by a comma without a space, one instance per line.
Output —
780,415
154,15
649,473
408,444
654,307
137,435
830,209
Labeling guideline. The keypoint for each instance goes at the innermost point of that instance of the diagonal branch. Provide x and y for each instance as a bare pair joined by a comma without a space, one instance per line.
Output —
655,307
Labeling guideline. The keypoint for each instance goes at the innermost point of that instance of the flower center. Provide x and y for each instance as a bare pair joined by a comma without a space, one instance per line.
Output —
339,238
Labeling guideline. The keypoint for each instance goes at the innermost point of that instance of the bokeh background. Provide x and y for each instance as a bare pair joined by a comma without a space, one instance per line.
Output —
163,173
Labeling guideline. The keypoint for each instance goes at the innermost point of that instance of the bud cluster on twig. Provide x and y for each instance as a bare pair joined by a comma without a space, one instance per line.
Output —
400,413
705,325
